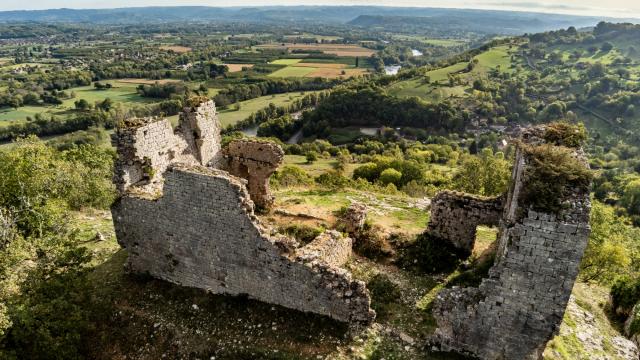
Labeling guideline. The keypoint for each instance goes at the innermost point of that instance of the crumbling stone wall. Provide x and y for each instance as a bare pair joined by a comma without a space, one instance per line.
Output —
455,217
519,307
202,233
185,221
147,146
354,218
255,161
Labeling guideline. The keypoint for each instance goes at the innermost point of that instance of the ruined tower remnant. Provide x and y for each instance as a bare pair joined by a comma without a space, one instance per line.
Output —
147,146
519,307
255,161
184,219
455,217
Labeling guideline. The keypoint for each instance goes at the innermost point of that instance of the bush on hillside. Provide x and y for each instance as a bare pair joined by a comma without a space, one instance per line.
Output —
553,171
565,134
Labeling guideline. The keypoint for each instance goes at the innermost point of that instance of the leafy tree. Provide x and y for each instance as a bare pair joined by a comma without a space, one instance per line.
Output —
487,174
607,255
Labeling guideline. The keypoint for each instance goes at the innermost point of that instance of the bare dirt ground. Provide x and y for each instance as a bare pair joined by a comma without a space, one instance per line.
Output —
238,67
176,48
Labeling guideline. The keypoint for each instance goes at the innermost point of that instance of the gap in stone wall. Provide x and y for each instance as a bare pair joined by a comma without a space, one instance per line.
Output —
486,237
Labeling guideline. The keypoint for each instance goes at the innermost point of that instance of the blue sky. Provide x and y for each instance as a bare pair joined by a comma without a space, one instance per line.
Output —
615,8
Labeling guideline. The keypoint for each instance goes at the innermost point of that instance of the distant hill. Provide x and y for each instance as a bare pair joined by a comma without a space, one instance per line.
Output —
479,21
508,22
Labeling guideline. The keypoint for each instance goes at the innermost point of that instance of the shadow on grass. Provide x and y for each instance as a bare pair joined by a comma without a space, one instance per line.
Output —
149,318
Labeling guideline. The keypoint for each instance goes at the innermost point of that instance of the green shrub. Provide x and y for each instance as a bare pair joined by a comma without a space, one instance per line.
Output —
311,157
565,134
333,180
625,294
552,172
289,176
430,254
390,176
301,232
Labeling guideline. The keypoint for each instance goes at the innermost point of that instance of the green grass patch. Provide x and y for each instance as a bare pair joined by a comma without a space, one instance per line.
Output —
285,61
494,58
293,71
231,116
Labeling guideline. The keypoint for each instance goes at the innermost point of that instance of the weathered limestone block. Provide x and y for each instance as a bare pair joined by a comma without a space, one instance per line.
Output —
202,233
455,217
354,217
329,247
519,307
255,161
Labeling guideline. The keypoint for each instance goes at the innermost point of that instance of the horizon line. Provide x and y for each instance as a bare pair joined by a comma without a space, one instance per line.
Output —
489,8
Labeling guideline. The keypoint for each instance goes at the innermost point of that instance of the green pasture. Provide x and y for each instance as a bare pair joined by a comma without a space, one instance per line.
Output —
293,71
494,58
442,74
124,93
285,61
231,116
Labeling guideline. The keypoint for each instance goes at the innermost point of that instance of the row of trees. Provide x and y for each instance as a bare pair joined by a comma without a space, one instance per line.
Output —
371,106
268,87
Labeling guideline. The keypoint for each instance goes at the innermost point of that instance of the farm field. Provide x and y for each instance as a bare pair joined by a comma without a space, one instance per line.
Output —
330,68
498,57
285,61
230,116
336,49
144,81
438,89
176,48
317,37
431,41
238,67
121,92
292,71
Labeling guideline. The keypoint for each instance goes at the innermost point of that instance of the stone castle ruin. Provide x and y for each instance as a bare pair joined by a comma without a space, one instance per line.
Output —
519,307
185,214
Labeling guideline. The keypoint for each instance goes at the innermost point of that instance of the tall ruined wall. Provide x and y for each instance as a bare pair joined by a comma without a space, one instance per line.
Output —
455,217
202,233
519,307
255,161
147,146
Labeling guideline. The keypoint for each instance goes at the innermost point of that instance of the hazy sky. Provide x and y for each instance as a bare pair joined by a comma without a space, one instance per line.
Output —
616,8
